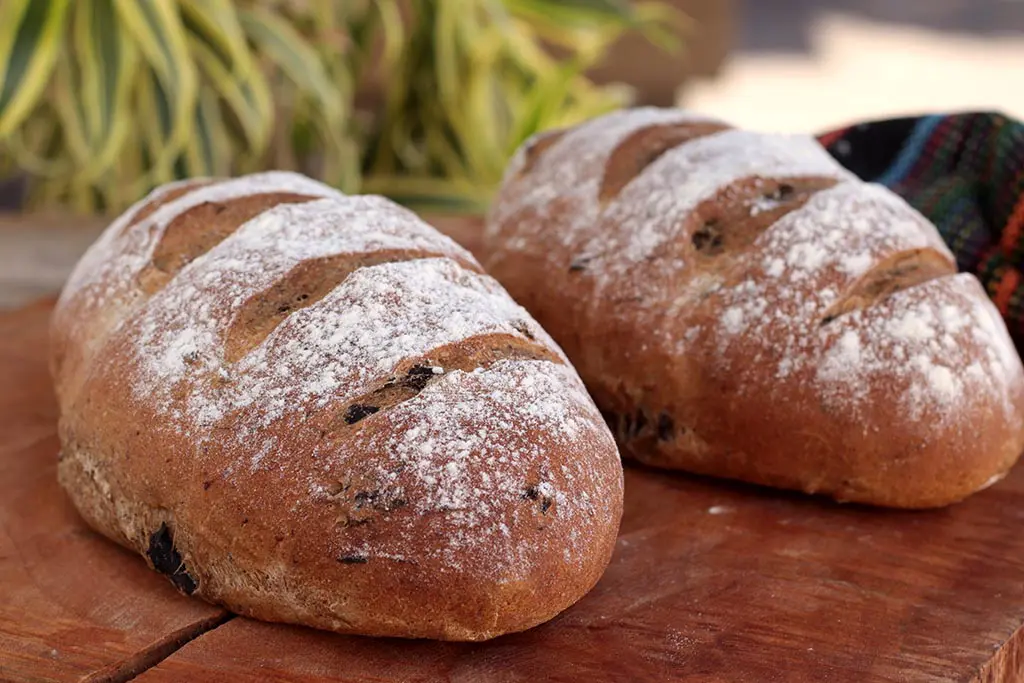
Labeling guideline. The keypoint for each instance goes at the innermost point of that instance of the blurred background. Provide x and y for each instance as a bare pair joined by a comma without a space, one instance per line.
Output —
810,65
425,100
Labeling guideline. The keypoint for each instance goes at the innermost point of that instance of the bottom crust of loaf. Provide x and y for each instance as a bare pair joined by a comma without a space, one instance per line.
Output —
485,610
931,471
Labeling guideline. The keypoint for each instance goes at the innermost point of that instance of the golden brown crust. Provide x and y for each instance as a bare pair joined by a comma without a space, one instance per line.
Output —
741,306
401,452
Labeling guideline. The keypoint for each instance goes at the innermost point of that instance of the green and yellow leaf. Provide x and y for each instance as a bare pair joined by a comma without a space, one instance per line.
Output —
156,126
248,99
69,108
32,145
156,27
295,57
208,148
107,62
217,23
29,45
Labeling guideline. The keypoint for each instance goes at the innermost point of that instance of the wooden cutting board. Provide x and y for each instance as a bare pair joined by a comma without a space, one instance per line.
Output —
710,581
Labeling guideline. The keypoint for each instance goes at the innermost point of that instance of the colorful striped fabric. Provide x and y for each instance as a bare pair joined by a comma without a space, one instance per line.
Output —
965,172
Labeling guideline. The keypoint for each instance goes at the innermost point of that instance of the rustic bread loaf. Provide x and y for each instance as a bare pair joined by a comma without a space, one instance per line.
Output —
739,305
316,409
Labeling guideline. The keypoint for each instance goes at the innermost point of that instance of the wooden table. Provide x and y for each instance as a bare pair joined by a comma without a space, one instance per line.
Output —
710,582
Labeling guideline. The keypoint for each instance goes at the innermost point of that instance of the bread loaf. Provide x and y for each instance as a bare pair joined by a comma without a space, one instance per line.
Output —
316,409
741,306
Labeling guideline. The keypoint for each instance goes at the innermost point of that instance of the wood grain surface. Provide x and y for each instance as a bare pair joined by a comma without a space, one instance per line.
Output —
710,582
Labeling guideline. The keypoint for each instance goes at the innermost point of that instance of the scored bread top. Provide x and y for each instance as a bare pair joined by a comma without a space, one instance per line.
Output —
345,350
796,266
147,244
752,262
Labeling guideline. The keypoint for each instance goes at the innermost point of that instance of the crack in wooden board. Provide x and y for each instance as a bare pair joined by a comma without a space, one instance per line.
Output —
1007,666
721,606
130,667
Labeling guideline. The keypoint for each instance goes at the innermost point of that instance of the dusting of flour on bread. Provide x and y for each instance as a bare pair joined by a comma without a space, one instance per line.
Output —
577,170
775,294
913,341
483,417
764,313
652,209
348,343
105,283
111,265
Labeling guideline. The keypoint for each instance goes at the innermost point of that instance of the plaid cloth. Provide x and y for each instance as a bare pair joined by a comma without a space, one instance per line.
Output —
965,172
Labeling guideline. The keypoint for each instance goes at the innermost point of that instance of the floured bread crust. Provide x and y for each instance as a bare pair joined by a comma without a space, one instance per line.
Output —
740,305
317,409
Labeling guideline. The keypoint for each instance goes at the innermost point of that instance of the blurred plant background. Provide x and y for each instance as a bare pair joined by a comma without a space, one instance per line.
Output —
420,100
